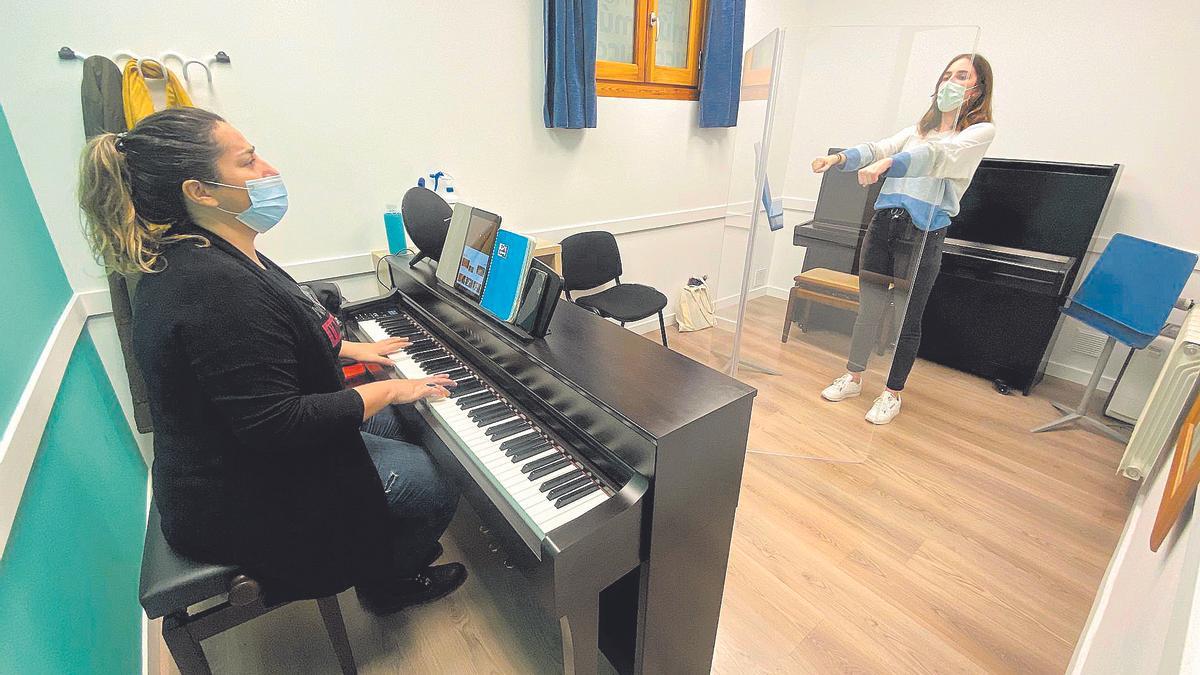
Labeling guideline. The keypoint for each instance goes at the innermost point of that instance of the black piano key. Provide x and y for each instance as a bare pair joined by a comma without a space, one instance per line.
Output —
469,402
576,495
568,488
439,365
544,461
522,442
420,345
562,480
475,400
485,421
434,352
549,469
458,373
518,423
465,388
430,355
488,409
518,457
399,326
509,430
538,446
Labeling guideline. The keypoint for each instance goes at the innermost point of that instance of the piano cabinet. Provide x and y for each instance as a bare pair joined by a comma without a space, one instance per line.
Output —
639,574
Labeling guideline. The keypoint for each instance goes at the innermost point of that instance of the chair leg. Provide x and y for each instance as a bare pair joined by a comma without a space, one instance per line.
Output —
804,316
788,317
185,648
662,327
331,614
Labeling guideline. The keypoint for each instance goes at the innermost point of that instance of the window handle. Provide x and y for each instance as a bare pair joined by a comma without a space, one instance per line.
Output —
654,24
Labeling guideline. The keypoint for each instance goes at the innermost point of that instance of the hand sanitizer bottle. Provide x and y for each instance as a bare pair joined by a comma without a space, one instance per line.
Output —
393,223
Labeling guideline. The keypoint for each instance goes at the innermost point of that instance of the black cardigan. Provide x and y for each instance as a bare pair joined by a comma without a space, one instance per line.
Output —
258,460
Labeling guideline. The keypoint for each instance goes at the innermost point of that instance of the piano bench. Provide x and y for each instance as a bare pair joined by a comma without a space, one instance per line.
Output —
827,287
171,583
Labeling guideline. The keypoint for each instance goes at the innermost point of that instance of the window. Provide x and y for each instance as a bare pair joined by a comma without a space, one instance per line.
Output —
649,48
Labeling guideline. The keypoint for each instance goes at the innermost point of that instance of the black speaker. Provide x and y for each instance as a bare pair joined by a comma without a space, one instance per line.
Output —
426,218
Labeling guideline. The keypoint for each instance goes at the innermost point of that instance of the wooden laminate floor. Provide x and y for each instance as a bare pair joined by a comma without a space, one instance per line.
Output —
952,540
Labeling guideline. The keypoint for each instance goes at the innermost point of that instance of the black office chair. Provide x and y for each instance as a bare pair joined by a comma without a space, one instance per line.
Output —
590,259
171,583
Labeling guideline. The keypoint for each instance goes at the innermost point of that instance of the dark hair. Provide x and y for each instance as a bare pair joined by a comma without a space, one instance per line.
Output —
980,107
131,186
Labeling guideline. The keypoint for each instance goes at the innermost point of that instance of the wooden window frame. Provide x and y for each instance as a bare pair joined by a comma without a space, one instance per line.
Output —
644,79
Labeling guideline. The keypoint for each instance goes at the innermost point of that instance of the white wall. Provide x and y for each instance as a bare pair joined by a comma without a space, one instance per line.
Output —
352,101
1146,617
1094,82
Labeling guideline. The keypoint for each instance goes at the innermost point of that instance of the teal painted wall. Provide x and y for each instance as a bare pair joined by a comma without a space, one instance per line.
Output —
69,576
35,288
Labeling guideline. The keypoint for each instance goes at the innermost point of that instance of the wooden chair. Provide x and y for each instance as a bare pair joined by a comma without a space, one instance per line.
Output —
170,584
832,288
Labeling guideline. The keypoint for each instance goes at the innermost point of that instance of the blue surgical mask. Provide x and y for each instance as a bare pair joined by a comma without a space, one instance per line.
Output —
268,202
950,95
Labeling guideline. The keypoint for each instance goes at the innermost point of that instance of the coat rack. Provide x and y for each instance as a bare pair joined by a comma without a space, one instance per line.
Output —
68,54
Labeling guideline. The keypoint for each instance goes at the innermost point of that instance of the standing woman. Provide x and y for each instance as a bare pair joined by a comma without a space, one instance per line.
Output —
259,460
928,166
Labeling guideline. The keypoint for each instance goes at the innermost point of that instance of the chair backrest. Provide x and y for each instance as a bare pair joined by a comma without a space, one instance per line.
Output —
589,259
427,218
1136,283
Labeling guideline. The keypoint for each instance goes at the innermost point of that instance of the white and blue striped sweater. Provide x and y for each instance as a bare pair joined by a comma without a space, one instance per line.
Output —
929,174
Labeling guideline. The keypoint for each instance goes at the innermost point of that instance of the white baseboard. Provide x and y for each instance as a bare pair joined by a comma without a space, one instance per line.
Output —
1078,375
23,435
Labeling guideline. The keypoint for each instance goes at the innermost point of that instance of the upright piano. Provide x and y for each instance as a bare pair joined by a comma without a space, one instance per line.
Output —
1009,262
607,467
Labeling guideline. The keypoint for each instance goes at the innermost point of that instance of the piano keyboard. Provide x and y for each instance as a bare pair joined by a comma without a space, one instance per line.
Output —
536,475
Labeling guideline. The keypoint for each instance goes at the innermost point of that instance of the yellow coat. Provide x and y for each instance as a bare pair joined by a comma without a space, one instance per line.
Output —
136,93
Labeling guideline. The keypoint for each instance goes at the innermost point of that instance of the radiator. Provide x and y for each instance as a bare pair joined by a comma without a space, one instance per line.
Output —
1169,400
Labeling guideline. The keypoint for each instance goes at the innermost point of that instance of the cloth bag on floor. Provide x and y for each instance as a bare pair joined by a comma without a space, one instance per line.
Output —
695,308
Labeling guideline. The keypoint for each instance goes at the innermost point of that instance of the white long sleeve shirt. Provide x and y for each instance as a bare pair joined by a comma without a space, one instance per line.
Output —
929,174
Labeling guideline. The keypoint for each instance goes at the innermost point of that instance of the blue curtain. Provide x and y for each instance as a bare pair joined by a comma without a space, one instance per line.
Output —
721,72
570,64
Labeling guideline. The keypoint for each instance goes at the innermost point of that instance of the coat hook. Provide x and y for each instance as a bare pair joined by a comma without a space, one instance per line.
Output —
222,57
68,54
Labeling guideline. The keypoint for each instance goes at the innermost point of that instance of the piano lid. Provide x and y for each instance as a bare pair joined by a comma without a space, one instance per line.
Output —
656,389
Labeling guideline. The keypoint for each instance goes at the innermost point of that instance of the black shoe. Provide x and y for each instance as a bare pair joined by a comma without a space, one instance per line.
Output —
432,583
434,554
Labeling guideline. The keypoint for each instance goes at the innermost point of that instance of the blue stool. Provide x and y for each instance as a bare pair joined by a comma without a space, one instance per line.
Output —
1128,296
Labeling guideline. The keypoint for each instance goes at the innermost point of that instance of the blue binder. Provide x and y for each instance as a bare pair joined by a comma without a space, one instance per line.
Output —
511,258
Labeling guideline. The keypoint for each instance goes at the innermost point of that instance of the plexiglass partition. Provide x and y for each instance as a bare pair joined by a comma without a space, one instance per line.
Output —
814,280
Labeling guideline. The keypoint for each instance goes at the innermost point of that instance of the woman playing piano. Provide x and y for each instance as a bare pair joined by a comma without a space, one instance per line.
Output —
262,458
928,167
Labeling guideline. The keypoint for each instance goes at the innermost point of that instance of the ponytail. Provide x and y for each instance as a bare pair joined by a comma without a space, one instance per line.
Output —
130,187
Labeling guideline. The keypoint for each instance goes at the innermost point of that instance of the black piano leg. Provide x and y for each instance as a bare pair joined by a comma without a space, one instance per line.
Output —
580,628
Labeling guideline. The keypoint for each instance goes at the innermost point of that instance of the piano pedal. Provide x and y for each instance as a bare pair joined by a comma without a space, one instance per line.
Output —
1002,387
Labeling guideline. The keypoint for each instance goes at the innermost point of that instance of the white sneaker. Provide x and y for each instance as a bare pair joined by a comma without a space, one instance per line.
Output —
842,388
886,407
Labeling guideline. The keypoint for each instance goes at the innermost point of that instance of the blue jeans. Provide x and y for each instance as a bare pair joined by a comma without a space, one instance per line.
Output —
420,502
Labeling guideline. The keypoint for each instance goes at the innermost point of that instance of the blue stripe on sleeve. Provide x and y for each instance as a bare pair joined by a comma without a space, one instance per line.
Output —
854,159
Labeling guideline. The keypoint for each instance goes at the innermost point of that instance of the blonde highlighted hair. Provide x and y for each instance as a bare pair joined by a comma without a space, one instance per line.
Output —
131,187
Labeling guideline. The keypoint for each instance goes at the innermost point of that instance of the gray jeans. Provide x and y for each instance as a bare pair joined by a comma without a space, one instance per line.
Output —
897,254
